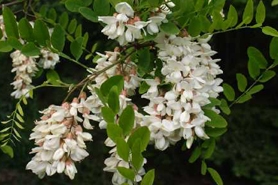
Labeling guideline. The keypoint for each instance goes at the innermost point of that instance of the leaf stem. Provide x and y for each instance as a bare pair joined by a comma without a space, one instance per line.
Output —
251,86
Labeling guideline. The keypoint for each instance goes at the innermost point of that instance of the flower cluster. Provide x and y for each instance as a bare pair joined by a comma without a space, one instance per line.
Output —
60,138
126,27
2,28
25,68
177,112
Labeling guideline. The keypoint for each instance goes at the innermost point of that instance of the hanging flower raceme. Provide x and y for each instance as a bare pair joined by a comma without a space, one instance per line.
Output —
25,68
2,28
177,112
60,138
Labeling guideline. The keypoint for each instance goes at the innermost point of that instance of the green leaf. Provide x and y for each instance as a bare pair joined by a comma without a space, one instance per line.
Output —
170,28
25,30
100,96
154,3
241,82
232,17
10,23
113,99
253,68
89,14
74,5
16,133
144,134
260,13
72,26
41,33
225,107
267,30
256,89
216,177
76,48
217,121
101,7
195,155
58,38
126,120
274,2
215,132
5,46
30,49
127,173
117,80
19,109
52,14
123,149
78,31
108,115
204,168
229,92
53,77
144,87
14,42
210,149
19,118
144,60
195,27
5,129
114,131
273,48
244,98
8,150
18,125
268,75
64,20
137,158
248,12
148,178
257,57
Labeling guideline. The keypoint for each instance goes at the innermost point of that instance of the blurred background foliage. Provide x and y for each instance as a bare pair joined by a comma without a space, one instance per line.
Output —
246,155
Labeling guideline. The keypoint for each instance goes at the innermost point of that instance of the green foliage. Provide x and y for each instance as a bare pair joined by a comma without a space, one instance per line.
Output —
229,92
215,175
113,81
58,38
41,33
126,120
123,149
10,23
148,178
53,77
241,82
25,30
127,173
216,121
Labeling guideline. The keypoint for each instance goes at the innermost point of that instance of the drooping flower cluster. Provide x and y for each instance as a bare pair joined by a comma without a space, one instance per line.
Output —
60,138
126,27
25,68
177,112
2,28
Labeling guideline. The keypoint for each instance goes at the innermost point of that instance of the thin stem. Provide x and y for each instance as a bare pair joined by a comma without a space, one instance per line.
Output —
251,86
9,4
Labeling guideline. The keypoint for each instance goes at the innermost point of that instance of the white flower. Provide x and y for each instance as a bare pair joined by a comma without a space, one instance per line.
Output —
177,112
49,59
124,8
25,68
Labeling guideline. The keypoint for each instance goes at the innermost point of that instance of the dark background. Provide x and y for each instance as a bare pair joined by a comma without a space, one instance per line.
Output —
246,155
